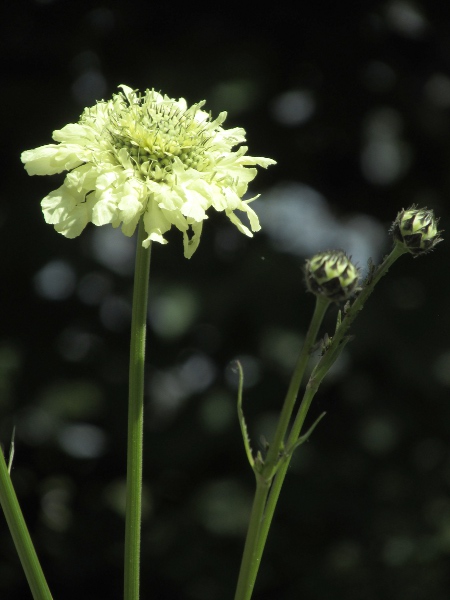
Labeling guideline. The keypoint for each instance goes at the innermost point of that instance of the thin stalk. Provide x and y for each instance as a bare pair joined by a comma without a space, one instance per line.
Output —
255,541
284,465
277,445
367,290
21,537
251,556
136,419
332,353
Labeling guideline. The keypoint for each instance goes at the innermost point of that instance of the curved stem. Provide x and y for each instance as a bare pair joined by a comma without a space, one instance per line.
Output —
329,357
252,553
284,465
136,419
255,540
276,447
21,537
277,461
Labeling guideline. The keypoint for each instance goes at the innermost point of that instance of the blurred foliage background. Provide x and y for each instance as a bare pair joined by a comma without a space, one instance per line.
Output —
352,99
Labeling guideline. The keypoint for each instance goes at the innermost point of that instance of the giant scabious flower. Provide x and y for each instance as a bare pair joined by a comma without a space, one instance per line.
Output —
146,156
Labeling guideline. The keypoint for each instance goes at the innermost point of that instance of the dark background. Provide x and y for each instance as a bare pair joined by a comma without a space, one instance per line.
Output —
352,100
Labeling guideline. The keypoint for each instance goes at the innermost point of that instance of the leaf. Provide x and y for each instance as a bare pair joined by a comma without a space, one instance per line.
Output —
241,417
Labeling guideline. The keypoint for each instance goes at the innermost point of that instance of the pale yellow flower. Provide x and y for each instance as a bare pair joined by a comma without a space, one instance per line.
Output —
146,156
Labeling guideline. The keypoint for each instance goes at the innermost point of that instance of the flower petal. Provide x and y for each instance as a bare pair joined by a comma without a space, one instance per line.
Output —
190,244
155,224
73,133
67,210
236,221
105,210
51,159
74,222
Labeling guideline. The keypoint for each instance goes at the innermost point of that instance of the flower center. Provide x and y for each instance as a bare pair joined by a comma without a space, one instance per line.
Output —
153,134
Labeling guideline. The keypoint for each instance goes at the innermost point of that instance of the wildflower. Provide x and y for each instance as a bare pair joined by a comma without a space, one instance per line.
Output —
417,230
146,156
331,274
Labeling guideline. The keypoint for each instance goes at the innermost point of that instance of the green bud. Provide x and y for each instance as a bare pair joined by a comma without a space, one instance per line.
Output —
331,274
416,230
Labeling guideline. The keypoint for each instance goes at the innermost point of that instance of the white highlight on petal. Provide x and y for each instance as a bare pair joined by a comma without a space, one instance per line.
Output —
51,159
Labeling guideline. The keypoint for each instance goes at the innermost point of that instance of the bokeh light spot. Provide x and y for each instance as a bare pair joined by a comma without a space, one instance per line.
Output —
82,440
55,281
293,107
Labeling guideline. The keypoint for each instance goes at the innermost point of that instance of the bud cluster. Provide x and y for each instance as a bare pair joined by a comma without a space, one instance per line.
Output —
332,275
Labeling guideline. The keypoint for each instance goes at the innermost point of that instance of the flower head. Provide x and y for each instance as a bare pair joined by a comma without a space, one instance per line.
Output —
146,156
417,230
332,275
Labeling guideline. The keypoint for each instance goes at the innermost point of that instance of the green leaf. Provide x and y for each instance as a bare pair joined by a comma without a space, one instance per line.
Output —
303,438
241,417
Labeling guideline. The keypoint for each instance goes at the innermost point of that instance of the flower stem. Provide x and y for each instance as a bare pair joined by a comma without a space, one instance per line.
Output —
255,541
277,446
270,479
21,536
327,360
252,553
136,419
278,481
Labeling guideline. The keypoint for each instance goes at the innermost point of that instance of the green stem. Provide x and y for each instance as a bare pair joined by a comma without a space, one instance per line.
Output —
251,556
255,541
332,353
277,445
363,296
284,465
21,536
136,419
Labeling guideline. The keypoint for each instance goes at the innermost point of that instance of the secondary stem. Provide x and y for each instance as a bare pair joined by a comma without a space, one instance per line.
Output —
271,478
21,537
255,541
291,396
284,465
337,343
251,557
136,419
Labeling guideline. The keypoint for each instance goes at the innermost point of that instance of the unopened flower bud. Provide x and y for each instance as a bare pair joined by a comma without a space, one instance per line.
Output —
417,230
332,275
